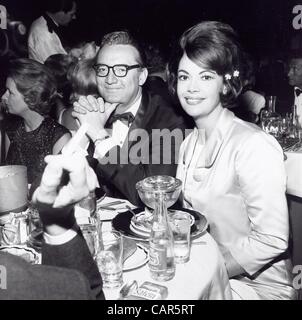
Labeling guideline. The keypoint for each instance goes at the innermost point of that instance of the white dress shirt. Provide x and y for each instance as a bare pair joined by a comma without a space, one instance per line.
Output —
118,134
41,42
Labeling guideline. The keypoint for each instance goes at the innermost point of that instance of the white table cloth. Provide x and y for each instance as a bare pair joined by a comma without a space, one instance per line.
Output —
293,166
204,276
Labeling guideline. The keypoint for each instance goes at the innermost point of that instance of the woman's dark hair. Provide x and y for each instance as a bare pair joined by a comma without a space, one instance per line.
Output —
213,45
34,81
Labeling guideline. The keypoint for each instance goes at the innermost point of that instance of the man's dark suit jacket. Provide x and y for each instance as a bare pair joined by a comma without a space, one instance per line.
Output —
155,112
67,272
285,100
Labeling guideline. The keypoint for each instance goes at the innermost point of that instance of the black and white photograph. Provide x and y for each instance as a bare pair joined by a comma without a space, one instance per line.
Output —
151,150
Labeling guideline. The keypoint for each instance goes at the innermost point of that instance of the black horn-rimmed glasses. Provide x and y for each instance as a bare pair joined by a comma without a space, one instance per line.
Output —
119,70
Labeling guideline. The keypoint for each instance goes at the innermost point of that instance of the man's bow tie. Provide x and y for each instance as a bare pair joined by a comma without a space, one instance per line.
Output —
298,92
52,27
126,117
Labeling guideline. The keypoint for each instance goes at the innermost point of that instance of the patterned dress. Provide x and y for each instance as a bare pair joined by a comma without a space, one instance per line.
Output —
30,148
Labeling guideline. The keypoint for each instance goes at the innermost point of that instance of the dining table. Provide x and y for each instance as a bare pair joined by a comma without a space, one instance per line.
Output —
293,167
203,277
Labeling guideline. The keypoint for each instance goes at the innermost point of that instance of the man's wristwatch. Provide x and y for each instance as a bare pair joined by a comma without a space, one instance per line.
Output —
100,139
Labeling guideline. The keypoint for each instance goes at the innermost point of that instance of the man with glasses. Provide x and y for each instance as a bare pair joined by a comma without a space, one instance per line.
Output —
135,116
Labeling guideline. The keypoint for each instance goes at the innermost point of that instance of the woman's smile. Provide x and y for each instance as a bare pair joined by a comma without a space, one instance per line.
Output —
193,100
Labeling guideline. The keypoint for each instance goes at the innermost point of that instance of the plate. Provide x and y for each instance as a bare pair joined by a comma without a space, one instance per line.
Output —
141,224
26,253
137,259
122,223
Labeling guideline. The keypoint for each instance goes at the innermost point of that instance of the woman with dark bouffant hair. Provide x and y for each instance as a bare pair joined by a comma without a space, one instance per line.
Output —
231,170
32,134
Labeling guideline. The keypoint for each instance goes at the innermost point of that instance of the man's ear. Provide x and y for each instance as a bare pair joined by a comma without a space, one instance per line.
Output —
143,76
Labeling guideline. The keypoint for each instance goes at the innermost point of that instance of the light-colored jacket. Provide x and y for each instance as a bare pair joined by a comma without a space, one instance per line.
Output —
41,42
238,182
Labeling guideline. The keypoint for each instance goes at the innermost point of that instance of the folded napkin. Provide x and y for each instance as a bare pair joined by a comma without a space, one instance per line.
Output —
129,248
116,206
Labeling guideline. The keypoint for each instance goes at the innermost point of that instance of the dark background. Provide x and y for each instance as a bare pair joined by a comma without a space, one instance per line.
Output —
265,26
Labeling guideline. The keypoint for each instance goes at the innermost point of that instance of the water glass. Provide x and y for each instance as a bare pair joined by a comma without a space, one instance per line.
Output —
109,258
35,238
299,134
90,234
284,127
181,228
89,204
271,103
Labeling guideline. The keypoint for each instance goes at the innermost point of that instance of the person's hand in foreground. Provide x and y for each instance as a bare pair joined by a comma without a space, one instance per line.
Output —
53,199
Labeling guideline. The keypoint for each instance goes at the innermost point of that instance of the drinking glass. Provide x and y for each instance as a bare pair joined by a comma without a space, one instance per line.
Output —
109,258
271,103
90,234
89,204
181,228
299,134
35,237
270,120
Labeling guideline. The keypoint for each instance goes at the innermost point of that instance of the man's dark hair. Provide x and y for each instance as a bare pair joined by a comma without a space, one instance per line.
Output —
125,38
54,6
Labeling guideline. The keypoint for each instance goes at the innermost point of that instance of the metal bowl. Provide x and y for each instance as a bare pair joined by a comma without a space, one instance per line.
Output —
152,188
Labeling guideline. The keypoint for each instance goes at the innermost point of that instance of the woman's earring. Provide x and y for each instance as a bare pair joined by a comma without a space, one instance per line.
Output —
224,90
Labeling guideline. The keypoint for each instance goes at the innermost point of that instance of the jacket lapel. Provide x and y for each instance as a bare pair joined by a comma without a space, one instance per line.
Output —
138,123
214,143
